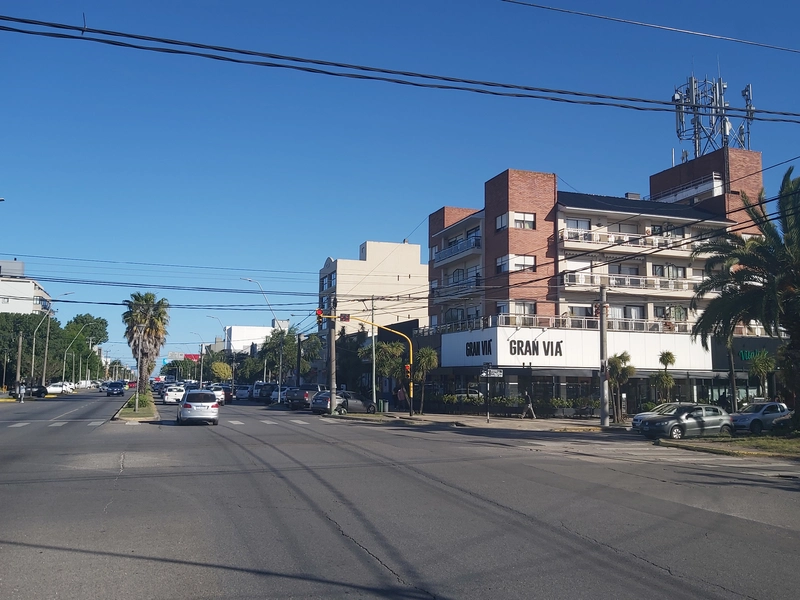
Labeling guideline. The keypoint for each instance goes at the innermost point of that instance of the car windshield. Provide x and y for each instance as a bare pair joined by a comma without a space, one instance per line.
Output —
201,398
666,409
753,408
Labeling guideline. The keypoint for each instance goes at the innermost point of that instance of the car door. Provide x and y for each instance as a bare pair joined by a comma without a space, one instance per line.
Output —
694,422
354,402
712,420
770,413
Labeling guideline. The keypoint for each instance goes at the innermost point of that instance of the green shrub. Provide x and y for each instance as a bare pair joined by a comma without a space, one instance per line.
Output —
144,400
648,406
449,399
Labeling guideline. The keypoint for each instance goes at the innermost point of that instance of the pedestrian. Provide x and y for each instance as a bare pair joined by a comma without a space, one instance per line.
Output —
22,393
528,406
402,397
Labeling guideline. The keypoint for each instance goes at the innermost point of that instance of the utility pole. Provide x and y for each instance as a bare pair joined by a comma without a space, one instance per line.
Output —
19,363
300,338
374,384
5,364
603,359
46,348
332,344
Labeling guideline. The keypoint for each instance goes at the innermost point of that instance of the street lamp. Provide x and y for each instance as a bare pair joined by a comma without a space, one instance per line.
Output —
64,369
280,360
201,357
140,331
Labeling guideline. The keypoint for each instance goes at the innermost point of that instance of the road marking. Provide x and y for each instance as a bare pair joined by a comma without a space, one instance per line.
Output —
328,421
95,423
298,421
59,424
235,422
19,424
269,422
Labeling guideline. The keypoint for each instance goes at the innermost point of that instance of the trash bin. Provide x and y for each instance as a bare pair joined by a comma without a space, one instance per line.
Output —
381,405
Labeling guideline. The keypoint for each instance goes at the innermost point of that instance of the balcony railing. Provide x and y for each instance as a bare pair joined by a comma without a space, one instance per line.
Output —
625,240
629,281
570,322
466,245
456,290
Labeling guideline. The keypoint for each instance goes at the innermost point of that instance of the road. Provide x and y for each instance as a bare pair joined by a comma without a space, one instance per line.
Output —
273,504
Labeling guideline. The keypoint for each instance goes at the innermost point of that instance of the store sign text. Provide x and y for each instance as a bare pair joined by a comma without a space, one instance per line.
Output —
480,348
531,348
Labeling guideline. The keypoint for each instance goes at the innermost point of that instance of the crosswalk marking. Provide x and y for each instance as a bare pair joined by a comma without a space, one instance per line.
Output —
19,424
95,423
235,422
328,421
298,421
269,422
58,424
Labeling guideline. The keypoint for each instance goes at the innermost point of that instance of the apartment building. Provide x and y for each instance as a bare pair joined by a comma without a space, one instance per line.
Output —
516,284
386,285
20,294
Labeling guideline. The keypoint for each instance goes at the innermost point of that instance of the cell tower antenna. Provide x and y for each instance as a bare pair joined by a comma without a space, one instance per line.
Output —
709,125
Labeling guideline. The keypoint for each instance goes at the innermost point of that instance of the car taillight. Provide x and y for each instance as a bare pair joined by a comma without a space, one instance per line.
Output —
305,395
215,405
186,405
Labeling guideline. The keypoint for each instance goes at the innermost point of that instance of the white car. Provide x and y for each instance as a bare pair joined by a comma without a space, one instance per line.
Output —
60,387
174,393
219,392
274,396
242,392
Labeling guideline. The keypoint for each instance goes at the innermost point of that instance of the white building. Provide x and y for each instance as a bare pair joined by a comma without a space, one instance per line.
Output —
386,285
240,338
19,294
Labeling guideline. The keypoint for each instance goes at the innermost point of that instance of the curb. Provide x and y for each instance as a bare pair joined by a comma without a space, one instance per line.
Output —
725,451
155,417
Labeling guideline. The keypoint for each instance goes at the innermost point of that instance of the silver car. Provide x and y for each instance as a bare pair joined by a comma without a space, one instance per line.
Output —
758,416
691,420
198,405
667,408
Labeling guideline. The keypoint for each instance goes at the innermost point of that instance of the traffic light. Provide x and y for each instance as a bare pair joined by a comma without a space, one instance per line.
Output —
408,371
319,316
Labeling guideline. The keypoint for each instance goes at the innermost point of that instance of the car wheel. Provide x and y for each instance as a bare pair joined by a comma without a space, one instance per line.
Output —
371,409
725,430
676,433
215,422
756,427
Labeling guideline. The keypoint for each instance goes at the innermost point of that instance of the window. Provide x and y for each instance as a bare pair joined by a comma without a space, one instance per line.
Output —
457,276
525,308
474,232
577,227
658,270
524,220
454,315
712,411
658,229
502,264
432,252
333,279
524,263
660,312
323,284
502,308
581,311
473,312
453,241
501,222
634,312
623,269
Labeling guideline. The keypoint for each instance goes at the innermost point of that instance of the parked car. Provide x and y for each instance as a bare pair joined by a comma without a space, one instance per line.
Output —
662,409
116,388
38,391
174,394
758,416
464,394
243,392
345,402
60,387
300,397
690,420
198,405
274,394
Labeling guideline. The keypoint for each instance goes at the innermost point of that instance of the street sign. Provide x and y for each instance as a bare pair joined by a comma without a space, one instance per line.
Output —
492,373
175,355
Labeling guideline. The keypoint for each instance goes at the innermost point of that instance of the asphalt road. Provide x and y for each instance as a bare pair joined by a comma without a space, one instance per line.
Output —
273,504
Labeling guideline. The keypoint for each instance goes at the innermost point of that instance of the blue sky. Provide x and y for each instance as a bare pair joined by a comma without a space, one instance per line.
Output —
181,171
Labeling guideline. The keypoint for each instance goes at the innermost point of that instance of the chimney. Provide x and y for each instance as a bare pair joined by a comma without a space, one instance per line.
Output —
633,196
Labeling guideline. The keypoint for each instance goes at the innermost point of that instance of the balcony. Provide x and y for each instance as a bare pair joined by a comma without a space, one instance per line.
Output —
628,243
464,288
462,249
705,187
592,281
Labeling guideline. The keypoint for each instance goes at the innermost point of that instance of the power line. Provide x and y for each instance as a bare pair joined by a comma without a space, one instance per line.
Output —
712,36
486,87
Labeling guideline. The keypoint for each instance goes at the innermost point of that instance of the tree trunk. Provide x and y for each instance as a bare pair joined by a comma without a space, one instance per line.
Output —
421,398
732,382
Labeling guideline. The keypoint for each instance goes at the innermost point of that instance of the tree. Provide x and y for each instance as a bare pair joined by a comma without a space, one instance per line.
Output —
619,372
388,359
425,360
145,310
221,371
761,366
759,277
349,364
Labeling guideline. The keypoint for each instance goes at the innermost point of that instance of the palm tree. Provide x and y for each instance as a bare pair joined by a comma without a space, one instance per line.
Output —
663,380
425,360
619,372
146,323
758,278
761,366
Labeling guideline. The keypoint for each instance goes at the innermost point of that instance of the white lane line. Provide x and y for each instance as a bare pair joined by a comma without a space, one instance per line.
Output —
66,413
95,423
19,424
235,422
328,421
59,424
298,421
269,422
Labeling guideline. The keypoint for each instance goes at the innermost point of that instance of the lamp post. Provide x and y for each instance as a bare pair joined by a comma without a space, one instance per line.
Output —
64,368
283,336
201,358
225,336
33,348
139,331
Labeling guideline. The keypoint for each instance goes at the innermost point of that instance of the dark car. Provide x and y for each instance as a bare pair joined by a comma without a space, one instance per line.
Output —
116,388
38,391
692,420
345,402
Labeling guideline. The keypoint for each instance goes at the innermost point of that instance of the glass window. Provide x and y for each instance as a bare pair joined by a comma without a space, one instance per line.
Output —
502,308
524,220
525,308
474,232
501,222
502,264
522,263
579,224
457,276
453,241
712,411
658,270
